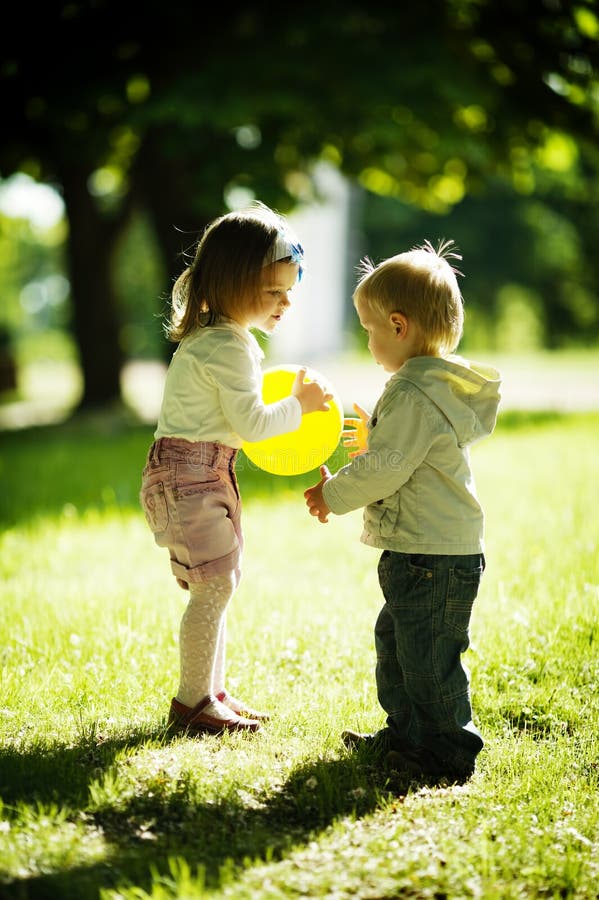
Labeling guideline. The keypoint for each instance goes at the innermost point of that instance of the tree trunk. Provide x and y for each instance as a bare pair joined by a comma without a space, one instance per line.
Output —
95,319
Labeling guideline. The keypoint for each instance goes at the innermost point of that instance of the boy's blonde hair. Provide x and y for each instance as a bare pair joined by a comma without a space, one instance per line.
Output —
422,285
225,275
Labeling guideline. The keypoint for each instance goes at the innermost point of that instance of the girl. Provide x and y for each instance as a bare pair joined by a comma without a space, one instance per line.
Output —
245,266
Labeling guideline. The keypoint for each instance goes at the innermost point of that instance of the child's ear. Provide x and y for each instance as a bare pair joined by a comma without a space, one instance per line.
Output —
399,323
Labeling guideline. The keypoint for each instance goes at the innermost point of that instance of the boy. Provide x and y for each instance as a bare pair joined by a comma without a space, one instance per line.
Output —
411,473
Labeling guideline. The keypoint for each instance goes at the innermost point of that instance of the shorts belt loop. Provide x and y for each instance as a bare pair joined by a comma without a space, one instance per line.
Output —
156,452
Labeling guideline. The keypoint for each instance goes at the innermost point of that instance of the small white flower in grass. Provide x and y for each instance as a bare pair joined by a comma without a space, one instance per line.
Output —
311,783
357,793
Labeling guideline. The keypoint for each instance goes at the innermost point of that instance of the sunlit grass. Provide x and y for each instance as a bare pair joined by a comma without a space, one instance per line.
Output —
97,801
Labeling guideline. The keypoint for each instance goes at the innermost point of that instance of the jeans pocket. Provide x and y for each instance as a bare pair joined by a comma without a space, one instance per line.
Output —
461,593
153,503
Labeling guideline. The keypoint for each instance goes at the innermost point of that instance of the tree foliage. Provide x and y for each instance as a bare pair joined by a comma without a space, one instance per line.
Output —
159,107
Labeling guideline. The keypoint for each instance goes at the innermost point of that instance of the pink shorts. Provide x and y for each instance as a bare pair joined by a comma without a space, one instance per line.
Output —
190,497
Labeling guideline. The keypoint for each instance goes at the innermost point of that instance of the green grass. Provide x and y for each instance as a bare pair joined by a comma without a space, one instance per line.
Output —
97,801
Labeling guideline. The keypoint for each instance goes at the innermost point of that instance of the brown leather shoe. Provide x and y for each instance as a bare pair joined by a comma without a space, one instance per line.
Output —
193,720
240,708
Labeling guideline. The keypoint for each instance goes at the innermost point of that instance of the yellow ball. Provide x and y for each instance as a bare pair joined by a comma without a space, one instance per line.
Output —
312,443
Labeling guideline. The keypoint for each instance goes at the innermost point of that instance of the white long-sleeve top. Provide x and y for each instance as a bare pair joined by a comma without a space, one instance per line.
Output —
213,391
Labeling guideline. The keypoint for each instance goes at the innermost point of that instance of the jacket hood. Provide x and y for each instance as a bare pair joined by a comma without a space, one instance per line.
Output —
467,393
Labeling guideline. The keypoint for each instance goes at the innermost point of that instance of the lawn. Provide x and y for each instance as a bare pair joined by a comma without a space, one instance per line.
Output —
99,802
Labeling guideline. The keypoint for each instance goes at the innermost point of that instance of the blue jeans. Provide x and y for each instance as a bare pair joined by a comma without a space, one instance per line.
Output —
420,634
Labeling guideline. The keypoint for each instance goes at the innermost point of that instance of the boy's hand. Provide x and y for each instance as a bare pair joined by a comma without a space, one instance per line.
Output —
313,397
358,437
314,499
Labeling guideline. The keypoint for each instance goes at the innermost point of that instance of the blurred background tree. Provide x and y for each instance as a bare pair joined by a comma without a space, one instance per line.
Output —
463,118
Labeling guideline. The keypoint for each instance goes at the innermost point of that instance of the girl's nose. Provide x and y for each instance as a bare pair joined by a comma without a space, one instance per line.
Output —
285,301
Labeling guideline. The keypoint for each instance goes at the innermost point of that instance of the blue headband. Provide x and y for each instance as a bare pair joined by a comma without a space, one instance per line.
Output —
286,247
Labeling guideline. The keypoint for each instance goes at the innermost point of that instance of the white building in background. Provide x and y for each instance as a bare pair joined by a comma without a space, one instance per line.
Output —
315,325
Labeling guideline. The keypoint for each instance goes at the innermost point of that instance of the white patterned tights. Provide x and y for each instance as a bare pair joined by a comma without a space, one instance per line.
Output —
202,639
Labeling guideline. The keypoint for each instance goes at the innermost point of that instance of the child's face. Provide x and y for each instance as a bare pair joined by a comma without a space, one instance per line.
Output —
392,338
277,282
389,340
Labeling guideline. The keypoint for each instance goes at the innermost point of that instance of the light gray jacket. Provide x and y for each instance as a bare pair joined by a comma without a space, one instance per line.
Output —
415,482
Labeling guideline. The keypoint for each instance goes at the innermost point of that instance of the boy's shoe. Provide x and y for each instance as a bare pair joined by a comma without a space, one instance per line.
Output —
375,744
194,720
353,740
420,765
240,708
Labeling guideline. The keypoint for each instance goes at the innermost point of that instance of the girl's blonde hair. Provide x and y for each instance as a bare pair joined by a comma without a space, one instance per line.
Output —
422,285
224,278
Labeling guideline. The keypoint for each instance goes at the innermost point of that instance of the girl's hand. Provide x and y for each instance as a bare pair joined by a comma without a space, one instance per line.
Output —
311,394
314,499
358,437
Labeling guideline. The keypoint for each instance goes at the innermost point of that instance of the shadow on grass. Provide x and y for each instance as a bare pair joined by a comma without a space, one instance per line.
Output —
147,832
48,470
61,773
